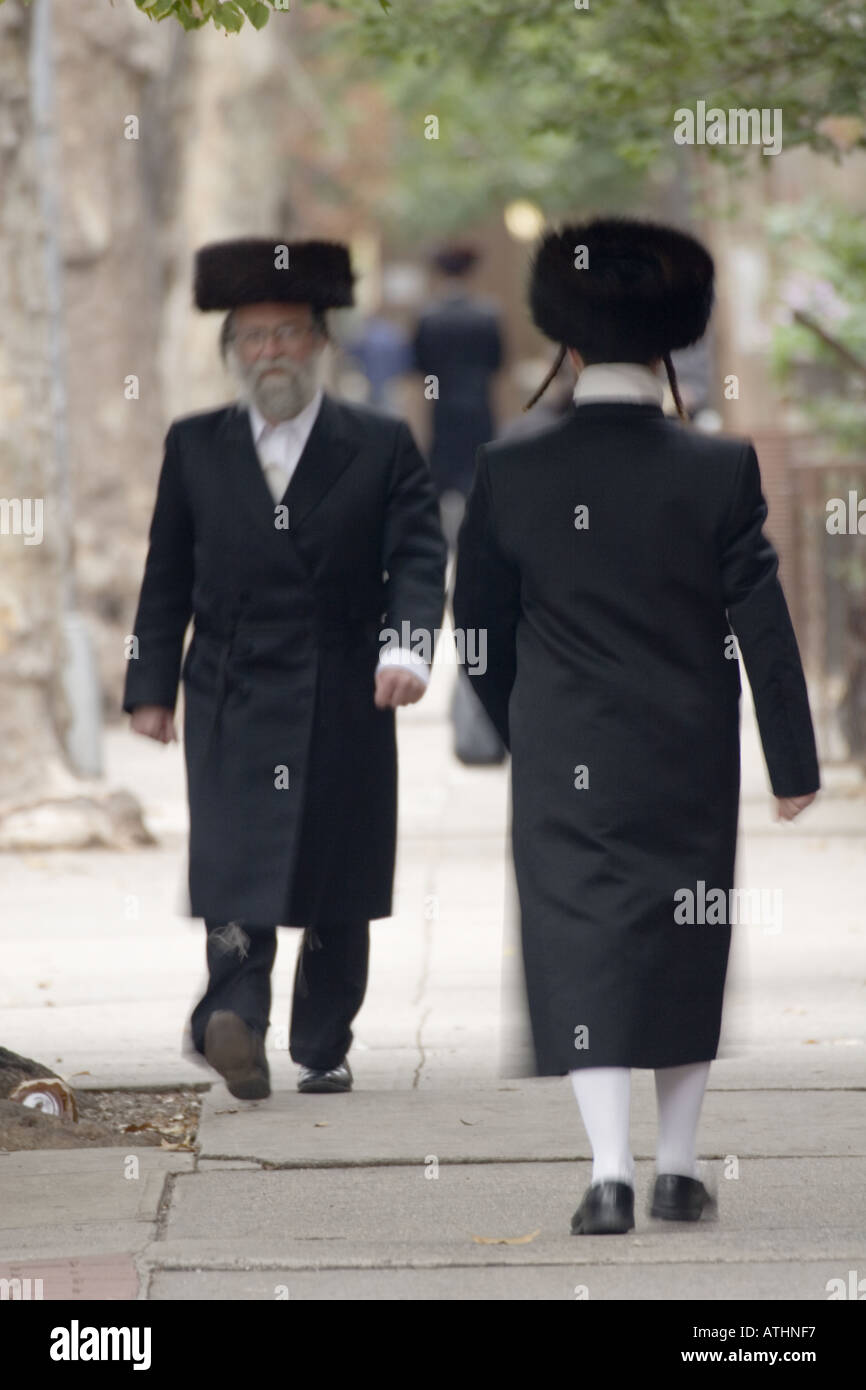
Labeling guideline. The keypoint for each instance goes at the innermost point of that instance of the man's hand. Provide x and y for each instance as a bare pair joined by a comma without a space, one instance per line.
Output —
397,686
787,807
154,722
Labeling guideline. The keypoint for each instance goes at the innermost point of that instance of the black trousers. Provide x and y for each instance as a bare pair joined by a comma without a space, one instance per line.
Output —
330,983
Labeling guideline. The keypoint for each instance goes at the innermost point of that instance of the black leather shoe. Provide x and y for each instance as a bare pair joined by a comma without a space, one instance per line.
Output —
320,1082
678,1198
238,1054
607,1209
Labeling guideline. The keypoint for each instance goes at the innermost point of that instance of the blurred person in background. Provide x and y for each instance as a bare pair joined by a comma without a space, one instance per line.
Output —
382,352
458,348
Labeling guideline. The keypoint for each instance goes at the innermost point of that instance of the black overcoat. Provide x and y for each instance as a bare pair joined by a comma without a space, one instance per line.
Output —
608,674
459,341
291,769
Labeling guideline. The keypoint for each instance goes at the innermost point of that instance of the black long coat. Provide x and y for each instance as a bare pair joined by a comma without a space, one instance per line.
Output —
459,341
292,771
607,651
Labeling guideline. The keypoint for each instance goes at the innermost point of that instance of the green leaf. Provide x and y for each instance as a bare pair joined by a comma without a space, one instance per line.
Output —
257,13
188,20
229,16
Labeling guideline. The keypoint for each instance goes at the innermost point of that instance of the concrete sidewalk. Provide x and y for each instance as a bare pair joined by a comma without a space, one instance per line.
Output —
398,1190
407,1195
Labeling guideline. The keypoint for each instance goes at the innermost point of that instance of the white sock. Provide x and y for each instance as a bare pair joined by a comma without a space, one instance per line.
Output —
604,1097
680,1094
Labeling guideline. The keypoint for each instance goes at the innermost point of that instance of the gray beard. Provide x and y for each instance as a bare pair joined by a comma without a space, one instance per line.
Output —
278,397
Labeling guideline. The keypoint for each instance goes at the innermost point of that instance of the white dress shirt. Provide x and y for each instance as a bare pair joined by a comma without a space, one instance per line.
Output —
618,381
279,448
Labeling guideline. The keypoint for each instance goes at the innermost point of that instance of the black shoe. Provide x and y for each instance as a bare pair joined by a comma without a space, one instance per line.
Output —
337,1079
238,1054
678,1198
607,1209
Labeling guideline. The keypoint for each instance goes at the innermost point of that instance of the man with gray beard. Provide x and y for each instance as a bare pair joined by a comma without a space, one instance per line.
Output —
293,528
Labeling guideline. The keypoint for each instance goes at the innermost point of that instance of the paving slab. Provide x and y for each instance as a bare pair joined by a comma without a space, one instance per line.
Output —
823,1066
520,1121
68,1238
66,1202
811,1067
459,1066
757,1282
99,1277
783,1210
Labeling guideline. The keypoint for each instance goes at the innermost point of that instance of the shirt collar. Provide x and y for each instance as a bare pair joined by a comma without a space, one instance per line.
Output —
618,381
302,421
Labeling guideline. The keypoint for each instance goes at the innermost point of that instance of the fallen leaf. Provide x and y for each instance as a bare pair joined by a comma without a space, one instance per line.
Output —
133,1129
506,1240
226,1112
467,1122
321,1124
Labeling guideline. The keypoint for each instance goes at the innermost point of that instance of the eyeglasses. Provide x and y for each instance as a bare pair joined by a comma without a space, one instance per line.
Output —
286,334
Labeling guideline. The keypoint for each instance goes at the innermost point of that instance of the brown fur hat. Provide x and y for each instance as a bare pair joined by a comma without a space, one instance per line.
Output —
646,289
255,270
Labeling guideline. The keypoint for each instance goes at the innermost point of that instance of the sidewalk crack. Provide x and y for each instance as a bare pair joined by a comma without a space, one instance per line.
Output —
422,1056
421,989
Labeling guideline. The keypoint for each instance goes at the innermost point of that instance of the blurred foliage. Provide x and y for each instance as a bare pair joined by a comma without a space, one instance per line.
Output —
484,154
820,327
820,322
575,107
569,106
616,72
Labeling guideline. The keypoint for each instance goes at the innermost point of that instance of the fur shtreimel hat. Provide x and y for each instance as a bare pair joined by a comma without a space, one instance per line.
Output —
256,270
638,291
